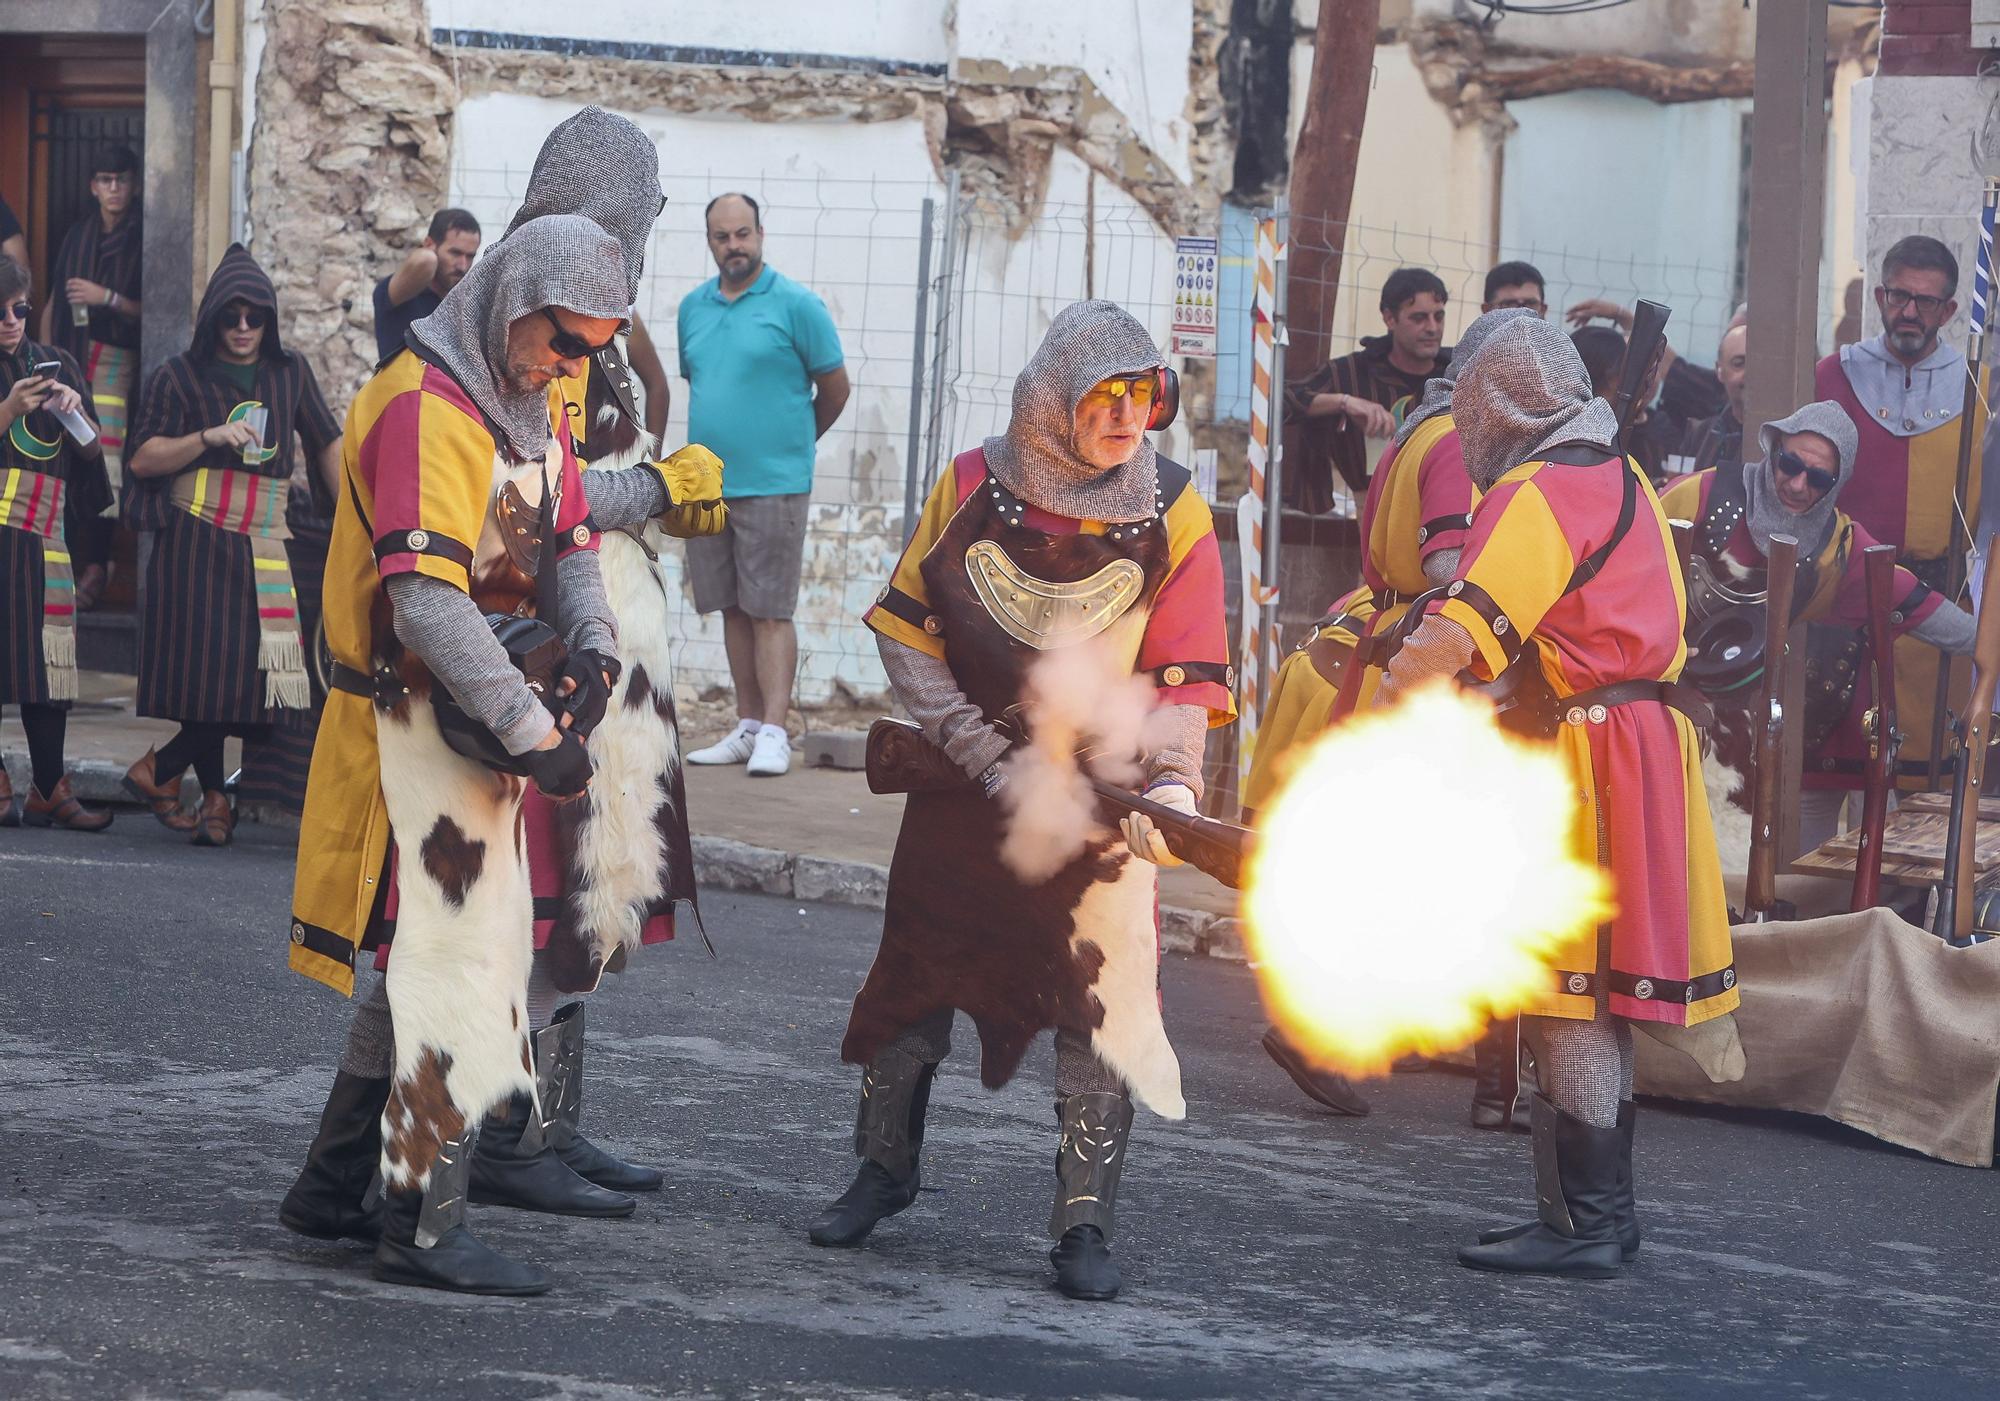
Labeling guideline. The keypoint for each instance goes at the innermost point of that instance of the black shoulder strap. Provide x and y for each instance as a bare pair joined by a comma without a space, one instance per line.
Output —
1727,500
1174,480
1628,509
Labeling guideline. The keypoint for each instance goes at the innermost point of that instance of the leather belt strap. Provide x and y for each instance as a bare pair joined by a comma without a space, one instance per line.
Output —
355,683
1590,707
382,690
1385,599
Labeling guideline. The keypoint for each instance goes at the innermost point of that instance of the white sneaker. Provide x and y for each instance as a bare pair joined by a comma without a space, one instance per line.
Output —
732,748
772,753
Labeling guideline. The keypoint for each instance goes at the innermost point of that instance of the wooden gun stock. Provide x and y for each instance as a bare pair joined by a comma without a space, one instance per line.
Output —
1219,848
1760,884
1954,918
1878,563
1643,349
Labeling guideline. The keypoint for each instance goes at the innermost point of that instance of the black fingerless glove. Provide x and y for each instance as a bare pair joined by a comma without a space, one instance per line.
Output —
562,772
587,702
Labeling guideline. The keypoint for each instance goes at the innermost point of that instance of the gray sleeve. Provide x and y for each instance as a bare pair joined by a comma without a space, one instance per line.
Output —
1178,760
1441,567
587,617
623,498
928,690
1949,629
448,633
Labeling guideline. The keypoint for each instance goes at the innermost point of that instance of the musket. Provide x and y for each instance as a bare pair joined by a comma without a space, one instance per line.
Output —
1878,564
1957,526
1760,883
1968,779
1643,349
1219,848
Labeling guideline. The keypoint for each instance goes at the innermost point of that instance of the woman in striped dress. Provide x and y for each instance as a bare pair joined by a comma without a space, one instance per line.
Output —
41,464
220,648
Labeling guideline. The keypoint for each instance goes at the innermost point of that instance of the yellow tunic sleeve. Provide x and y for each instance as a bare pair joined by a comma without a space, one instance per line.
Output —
903,610
1521,559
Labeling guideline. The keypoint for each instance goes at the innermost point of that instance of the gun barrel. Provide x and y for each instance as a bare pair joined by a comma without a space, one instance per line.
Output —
1218,848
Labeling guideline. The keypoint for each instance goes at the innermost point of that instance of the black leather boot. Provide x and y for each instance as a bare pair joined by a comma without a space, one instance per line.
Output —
1627,1207
1089,1162
889,1136
512,1167
1496,1073
1329,1087
1576,1190
326,1201
559,1073
425,1242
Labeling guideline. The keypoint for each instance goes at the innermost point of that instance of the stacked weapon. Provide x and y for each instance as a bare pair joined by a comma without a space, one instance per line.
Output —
1968,780
1878,564
1643,349
1760,885
1975,359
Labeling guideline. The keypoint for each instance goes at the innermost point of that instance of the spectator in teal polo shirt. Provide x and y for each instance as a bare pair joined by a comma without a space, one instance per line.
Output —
766,379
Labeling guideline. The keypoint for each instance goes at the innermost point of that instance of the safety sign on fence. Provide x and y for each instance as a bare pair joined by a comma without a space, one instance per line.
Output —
1196,279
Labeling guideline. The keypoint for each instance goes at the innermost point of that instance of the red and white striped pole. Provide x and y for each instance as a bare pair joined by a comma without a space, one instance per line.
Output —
1257,510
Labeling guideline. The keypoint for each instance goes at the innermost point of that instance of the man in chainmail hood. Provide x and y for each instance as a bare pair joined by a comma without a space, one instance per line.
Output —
1413,524
1793,489
448,438
1065,533
1568,570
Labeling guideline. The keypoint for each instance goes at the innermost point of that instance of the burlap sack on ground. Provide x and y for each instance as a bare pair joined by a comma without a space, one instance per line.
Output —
1866,1020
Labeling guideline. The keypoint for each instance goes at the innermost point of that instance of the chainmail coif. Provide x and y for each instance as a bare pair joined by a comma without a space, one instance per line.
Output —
1523,392
1036,458
602,166
1437,389
559,260
1765,513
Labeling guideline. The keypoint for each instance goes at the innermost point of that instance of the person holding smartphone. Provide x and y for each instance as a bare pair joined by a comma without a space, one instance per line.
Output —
42,463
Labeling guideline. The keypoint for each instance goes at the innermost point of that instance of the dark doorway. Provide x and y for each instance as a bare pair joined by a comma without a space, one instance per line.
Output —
69,138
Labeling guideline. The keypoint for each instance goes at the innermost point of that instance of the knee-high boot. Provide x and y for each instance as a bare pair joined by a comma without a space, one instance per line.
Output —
1096,1128
326,1200
889,1137
559,1069
1577,1193
425,1241
1627,1208
1496,1075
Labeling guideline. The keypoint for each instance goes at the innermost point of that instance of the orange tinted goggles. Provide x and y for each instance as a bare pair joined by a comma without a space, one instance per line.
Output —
1140,389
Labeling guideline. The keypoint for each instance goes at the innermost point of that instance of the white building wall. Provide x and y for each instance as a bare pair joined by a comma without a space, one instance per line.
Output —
911,31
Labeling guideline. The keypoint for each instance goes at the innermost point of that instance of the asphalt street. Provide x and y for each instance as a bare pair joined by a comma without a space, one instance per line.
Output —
160,1072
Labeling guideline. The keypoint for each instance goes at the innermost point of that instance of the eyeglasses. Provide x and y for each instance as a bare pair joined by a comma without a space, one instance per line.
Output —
1895,299
1790,464
116,182
253,317
1141,389
569,344
1533,304
16,312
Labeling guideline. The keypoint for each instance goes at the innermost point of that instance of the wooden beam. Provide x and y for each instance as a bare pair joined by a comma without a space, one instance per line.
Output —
1658,81
1323,163
1787,194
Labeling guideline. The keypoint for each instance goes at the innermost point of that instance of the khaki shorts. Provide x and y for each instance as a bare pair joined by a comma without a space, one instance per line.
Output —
754,563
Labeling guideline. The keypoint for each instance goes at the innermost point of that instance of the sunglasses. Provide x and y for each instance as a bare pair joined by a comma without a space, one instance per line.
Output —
16,312
252,317
1895,299
1141,389
1791,464
568,344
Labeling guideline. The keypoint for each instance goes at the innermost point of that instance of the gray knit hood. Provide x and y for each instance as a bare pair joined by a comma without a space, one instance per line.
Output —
1765,514
1036,458
1525,391
1437,390
602,166
563,261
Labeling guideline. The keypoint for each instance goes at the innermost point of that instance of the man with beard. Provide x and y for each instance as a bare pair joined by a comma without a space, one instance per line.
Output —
424,278
1066,529
41,463
1569,554
220,646
1331,415
1413,525
93,313
1717,441
1904,389
459,480
1807,460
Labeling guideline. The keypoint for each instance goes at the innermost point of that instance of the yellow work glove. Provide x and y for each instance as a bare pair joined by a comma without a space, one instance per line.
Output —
693,479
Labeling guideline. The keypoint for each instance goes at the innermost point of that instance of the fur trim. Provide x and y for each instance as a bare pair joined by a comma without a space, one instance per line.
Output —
464,939
1118,917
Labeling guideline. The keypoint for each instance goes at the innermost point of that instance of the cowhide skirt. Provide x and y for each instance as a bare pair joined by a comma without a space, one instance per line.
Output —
1079,951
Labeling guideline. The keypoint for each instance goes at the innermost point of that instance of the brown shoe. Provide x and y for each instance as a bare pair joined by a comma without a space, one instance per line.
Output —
216,823
10,814
163,798
61,809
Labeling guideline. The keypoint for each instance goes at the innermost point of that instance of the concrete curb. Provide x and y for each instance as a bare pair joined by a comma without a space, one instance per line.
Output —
723,864
719,864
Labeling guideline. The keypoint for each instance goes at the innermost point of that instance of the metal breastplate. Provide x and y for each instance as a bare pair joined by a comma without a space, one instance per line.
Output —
1045,614
508,553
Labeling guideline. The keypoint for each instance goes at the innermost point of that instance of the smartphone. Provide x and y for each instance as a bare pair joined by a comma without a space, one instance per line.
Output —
48,369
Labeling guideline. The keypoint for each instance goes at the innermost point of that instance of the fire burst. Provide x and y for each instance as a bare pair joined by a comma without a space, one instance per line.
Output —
1417,875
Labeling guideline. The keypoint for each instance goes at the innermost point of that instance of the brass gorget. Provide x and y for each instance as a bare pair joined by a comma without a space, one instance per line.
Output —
1045,614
